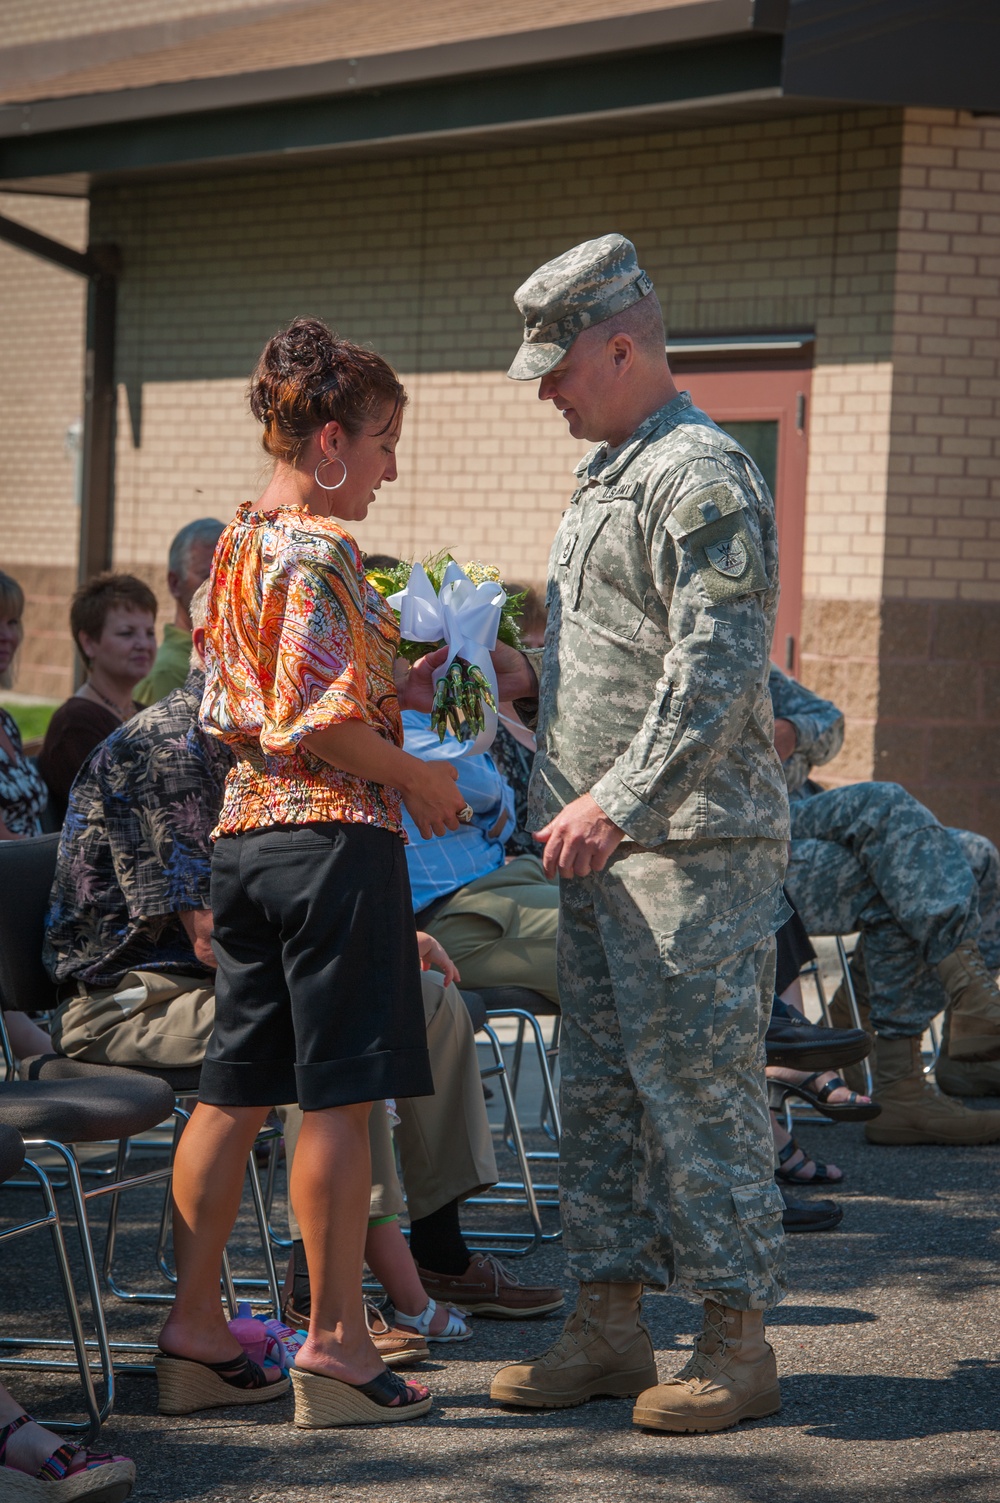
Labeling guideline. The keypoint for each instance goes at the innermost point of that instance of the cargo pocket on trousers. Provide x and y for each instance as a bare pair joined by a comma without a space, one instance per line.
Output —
758,1211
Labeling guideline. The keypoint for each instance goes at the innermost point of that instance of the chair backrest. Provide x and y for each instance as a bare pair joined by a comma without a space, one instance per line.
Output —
27,868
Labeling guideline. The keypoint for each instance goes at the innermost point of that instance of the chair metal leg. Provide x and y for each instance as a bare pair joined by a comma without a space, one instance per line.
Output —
852,1007
97,1413
512,1244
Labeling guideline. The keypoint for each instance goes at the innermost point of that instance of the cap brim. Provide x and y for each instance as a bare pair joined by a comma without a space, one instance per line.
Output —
534,360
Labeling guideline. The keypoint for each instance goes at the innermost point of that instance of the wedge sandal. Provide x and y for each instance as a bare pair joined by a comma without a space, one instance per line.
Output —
323,1403
101,1479
185,1386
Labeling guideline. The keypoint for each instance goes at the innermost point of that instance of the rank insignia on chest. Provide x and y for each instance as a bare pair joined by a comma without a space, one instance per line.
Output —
728,556
567,549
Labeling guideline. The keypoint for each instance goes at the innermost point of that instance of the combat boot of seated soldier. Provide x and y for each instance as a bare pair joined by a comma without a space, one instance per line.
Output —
658,798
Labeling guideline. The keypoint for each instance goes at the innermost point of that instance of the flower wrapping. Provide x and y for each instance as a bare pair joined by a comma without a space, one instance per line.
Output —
467,609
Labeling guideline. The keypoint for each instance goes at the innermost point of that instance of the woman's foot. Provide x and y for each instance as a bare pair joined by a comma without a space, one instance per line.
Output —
798,1168
212,1343
840,1096
355,1365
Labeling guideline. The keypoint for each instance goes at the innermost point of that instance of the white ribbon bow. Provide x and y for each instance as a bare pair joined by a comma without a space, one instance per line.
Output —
467,617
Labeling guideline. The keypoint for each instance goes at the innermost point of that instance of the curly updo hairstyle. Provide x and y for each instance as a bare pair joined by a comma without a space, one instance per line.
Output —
307,376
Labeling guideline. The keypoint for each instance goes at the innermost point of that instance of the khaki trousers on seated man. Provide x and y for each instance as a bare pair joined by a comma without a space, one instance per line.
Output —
500,930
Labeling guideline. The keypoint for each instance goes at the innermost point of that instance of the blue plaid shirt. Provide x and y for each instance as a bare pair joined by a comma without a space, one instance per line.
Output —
445,863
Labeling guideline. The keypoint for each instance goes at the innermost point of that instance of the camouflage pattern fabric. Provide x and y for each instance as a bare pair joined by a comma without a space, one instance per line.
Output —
663,587
666,1157
662,595
584,286
819,728
870,856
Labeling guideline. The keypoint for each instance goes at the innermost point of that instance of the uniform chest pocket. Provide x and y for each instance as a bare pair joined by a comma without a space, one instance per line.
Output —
602,572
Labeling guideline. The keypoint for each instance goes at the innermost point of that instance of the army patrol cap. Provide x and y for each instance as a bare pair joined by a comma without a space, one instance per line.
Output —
580,288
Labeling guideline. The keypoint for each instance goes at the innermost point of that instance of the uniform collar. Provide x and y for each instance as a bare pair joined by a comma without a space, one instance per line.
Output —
603,465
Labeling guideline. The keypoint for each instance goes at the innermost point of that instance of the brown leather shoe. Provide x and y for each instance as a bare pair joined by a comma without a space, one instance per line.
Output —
486,1288
396,1347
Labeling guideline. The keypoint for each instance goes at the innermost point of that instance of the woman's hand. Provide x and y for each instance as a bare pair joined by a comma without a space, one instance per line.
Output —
434,955
515,677
431,796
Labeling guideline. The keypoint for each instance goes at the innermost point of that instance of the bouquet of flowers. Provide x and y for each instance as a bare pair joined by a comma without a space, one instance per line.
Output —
468,609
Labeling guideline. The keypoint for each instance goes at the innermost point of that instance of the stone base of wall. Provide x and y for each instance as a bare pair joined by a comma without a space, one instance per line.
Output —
939,707
919,684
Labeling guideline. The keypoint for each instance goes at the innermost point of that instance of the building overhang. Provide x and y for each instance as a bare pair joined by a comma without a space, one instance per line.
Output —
685,64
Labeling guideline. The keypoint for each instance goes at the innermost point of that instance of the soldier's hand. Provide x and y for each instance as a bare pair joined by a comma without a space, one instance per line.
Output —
786,739
579,840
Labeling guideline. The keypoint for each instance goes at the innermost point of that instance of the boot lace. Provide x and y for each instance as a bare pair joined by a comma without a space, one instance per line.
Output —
709,1348
972,961
575,1332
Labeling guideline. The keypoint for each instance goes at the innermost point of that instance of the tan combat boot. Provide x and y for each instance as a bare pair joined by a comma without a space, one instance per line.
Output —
912,1111
731,1376
604,1351
965,1077
974,1000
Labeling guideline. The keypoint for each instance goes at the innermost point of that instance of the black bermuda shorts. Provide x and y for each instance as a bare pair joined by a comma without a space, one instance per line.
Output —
317,995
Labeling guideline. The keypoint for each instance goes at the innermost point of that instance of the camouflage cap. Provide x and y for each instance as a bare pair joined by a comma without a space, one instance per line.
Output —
580,288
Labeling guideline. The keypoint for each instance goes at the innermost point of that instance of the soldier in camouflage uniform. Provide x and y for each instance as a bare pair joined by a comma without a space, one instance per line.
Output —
926,900
659,799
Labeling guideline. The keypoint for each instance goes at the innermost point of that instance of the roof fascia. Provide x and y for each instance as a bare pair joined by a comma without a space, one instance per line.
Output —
633,85
700,21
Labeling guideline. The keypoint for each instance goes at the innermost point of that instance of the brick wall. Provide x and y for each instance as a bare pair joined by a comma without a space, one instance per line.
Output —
939,707
777,225
42,317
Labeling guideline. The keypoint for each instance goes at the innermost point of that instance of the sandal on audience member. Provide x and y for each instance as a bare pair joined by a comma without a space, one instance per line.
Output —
792,1176
185,1385
101,1479
323,1403
852,1110
455,1328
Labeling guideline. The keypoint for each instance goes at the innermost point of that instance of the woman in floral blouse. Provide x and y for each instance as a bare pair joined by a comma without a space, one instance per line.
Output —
317,993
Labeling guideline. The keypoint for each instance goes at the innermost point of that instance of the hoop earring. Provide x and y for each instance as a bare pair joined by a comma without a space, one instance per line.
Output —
326,460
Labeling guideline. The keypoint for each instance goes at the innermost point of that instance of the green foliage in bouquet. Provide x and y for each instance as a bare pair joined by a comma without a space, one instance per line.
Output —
463,691
389,581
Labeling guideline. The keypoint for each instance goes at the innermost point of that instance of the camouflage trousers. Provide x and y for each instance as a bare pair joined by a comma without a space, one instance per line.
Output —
666,973
870,857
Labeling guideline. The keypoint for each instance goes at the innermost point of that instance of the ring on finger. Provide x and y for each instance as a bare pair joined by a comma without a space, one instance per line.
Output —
465,814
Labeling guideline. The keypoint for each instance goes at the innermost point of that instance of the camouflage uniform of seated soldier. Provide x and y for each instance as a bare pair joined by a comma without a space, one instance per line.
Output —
926,900
658,798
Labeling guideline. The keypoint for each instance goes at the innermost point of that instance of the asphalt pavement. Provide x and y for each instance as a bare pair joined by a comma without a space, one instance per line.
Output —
886,1345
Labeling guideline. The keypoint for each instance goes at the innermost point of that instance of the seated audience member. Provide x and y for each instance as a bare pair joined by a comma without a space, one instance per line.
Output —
496,919
23,795
189,563
823,1089
113,621
869,857
128,942
38,1463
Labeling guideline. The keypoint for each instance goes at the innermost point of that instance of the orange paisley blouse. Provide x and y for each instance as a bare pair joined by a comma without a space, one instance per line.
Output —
296,640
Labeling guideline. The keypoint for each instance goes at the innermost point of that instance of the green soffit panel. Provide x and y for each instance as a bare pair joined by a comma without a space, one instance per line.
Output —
632,82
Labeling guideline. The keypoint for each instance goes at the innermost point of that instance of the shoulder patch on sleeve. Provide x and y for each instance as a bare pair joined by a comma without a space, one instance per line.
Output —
713,526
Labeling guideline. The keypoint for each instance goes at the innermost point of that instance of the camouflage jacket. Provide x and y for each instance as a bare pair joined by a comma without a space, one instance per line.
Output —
662,593
819,728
